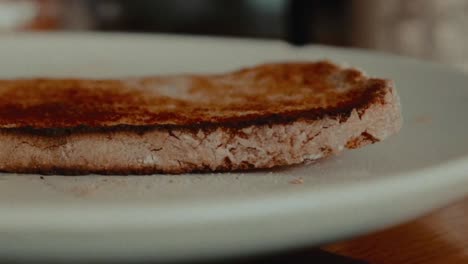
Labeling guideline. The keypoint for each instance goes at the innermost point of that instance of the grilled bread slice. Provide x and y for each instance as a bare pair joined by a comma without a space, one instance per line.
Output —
260,117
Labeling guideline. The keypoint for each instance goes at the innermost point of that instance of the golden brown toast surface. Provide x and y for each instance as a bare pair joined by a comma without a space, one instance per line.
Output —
270,93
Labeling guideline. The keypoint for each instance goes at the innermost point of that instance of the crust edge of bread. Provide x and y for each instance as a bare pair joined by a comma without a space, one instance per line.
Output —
373,95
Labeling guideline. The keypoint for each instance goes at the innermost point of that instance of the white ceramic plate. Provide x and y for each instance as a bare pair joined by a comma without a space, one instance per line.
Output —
207,215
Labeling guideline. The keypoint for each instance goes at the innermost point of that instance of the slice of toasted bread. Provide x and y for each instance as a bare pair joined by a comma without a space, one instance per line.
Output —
260,117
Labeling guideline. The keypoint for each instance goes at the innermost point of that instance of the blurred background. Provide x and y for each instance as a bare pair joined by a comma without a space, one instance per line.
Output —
430,29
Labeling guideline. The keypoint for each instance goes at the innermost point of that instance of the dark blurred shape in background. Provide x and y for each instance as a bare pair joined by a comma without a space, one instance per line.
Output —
431,29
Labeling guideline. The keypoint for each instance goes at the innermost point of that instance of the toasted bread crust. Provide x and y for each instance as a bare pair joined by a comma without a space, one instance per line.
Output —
266,94
298,113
